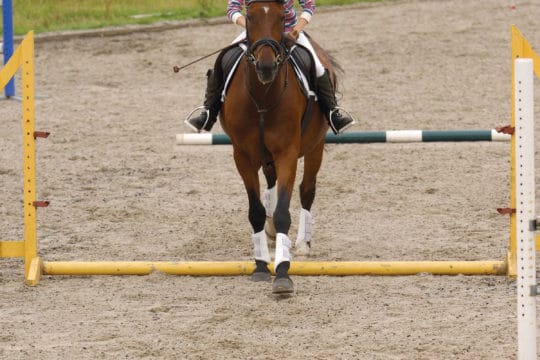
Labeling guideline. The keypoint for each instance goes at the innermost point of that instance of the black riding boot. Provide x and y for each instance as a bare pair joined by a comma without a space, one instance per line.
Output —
327,99
211,105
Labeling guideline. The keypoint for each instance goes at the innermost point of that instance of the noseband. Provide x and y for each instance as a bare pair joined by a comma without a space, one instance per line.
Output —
277,47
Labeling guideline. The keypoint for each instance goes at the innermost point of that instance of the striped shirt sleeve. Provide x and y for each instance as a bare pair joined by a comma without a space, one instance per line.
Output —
308,6
234,9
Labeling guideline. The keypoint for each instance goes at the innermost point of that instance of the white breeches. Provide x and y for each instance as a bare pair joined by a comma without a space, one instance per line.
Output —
302,40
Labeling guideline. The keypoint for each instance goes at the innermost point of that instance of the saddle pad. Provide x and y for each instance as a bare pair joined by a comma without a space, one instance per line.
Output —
303,67
231,59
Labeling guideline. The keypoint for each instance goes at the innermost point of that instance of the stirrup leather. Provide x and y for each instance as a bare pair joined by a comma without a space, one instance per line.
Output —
332,126
199,108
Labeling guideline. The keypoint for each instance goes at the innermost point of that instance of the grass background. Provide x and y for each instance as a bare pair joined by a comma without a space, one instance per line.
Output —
55,15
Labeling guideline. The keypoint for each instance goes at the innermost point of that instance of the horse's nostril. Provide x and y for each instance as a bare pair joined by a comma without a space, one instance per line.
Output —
266,70
268,66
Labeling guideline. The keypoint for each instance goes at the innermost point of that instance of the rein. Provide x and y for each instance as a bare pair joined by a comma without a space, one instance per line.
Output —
260,109
282,56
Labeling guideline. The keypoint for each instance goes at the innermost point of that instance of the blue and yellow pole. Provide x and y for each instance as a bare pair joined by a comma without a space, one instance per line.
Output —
7,21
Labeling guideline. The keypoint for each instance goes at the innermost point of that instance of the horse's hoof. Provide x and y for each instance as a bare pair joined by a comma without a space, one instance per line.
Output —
302,249
261,276
282,286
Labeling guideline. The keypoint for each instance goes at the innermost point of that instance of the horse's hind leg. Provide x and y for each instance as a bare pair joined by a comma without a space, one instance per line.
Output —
312,164
257,217
270,199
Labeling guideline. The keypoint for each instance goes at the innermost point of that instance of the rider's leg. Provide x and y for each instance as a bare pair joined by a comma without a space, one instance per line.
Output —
326,92
212,99
327,98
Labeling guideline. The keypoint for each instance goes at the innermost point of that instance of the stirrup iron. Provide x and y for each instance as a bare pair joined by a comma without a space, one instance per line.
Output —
331,112
199,108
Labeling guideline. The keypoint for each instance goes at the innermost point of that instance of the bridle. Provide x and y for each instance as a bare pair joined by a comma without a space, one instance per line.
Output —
278,47
281,55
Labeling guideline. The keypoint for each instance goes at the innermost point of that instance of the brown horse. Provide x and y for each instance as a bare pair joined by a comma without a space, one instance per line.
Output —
262,115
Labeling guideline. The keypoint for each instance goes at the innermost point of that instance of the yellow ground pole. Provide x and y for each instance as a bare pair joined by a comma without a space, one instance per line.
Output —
520,49
35,267
308,268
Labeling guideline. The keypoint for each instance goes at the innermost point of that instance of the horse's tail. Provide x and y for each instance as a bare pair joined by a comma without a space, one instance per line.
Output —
335,64
337,70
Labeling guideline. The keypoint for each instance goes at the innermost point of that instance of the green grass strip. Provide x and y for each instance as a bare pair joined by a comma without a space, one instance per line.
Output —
57,15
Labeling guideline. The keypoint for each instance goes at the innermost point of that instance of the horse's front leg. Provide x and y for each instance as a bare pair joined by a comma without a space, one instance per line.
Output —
286,172
257,216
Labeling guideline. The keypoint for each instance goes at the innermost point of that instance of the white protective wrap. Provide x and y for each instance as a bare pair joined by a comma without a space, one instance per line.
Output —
304,228
270,200
260,247
283,244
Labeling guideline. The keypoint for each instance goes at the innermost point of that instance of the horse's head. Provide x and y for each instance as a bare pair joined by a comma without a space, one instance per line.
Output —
265,25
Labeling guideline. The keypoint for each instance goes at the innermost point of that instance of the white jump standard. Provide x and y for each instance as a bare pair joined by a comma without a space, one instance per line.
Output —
525,209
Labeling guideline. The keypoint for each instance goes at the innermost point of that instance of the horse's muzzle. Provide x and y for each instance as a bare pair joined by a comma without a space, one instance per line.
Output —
266,71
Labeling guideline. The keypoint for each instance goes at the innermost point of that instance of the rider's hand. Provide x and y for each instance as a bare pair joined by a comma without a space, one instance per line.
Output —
294,34
299,27
241,21
289,40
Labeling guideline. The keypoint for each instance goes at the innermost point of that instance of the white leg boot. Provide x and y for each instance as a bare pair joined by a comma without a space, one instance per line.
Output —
303,240
262,257
260,247
270,202
283,246
282,282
